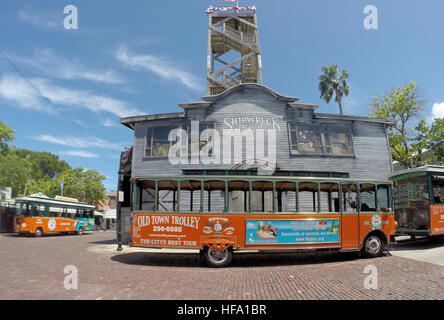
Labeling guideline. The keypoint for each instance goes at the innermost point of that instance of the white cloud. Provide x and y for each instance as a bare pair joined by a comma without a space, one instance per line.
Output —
110,123
80,143
438,110
79,153
50,19
19,91
47,61
161,66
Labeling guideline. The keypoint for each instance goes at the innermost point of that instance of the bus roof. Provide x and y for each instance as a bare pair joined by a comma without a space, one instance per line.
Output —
41,199
254,177
416,172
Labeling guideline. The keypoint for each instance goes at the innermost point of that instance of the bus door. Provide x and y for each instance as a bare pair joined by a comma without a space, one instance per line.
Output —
436,191
349,216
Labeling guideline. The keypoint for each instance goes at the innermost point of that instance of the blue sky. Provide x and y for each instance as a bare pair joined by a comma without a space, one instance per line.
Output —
143,57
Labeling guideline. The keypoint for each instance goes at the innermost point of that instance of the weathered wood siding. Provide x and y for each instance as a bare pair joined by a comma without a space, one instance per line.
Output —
371,151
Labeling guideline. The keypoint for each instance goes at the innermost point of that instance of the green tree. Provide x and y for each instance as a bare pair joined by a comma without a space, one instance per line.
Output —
14,173
44,164
430,139
85,185
401,106
436,140
30,172
6,135
330,83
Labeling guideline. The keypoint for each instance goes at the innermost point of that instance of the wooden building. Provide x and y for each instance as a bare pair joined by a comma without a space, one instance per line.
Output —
307,143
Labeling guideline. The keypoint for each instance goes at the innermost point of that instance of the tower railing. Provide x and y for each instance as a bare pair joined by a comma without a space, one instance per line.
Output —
238,34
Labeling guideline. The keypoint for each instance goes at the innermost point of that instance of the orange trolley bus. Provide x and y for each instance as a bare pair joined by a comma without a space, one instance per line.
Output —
38,214
419,201
221,214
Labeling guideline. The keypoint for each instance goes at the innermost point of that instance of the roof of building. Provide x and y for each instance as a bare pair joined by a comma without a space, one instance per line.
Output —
130,121
207,101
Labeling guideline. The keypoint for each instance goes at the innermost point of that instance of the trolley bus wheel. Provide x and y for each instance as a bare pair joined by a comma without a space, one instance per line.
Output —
373,246
38,232
217,258
80,231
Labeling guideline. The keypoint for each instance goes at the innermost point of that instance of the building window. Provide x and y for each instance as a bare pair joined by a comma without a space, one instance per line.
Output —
305,139
338,140
157,144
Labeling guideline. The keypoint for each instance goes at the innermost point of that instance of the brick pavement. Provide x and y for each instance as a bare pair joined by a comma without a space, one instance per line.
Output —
32,268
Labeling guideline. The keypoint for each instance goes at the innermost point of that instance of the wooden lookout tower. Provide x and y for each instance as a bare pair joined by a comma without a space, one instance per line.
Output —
233,48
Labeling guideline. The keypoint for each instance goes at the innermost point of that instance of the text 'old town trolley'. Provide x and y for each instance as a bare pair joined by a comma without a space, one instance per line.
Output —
221,214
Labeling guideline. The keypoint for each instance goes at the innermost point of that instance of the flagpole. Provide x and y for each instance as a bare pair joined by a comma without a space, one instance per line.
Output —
62,185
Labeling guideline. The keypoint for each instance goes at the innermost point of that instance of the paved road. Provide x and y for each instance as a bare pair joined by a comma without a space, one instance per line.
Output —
32,268
420,249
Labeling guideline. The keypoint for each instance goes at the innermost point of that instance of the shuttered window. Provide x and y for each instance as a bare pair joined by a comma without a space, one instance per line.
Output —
305,139
338,140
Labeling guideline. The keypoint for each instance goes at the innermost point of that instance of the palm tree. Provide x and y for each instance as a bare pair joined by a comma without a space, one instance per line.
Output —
330,83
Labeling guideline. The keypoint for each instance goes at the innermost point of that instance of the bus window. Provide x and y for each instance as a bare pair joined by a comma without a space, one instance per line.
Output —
145,191
438,189
190,195
329,197
27,212
238,192
214,196
167,196
261,196
383,196
285,196
36,212
367,197
349,192
308,197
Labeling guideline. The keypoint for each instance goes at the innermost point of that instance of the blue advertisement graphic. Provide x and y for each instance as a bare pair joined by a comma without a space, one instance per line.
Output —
292,231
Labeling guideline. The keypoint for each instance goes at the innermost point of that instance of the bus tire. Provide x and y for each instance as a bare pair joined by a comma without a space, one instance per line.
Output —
201,256
80,231
38,232
373,246
217,258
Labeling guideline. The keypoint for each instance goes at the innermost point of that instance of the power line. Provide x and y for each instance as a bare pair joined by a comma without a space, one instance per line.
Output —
43,96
